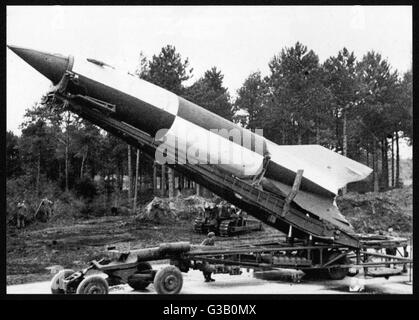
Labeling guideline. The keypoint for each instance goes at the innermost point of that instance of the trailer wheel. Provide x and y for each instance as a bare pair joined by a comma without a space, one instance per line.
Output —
93,284
168,280
57,280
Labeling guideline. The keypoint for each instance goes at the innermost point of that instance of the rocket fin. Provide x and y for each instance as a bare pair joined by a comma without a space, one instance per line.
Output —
325,171
320,206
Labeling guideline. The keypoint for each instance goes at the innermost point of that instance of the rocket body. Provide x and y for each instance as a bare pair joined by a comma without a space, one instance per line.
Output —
204,137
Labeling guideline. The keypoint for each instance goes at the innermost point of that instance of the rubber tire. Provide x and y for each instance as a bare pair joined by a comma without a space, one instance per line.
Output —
138,284
168,280
91,283
60,275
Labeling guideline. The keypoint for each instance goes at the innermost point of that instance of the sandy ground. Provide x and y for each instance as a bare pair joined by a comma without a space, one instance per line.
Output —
273,282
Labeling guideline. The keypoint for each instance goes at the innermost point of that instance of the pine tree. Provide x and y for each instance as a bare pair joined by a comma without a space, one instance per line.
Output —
168,70
209,93
250,98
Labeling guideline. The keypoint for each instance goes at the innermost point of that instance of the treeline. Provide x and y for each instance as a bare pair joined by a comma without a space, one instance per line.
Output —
360,108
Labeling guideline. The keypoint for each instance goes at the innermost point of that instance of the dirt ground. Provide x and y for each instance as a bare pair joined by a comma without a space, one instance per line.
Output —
378,211
31,251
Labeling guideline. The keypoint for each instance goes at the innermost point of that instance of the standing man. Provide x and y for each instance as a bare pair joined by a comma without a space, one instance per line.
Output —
239,214
391,233
48,208
44,211
207,269
213,219
233,212
22,212
258,178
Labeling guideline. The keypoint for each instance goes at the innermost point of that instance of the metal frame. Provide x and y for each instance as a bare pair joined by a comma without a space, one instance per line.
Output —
260,256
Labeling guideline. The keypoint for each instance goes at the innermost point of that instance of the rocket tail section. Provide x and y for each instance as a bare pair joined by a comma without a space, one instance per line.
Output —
325,171
323,208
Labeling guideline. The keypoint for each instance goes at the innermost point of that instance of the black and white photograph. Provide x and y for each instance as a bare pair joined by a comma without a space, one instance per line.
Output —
209,150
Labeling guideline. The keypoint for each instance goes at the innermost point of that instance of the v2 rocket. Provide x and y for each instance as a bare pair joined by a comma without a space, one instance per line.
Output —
168,117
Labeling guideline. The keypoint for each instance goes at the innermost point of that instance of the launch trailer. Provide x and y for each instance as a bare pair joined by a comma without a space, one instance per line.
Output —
326,261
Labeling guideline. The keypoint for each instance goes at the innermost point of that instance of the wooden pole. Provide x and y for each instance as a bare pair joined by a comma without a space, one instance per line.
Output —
136,181
38,173
344,141
392,160
67,142
129,175
375,165
397,161
385,160
180,183
163,180
171,177
154,178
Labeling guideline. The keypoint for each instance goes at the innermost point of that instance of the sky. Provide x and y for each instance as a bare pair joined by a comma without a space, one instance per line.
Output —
237,40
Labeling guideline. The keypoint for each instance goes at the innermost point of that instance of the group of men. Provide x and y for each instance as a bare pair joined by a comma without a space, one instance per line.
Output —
42,213
212,212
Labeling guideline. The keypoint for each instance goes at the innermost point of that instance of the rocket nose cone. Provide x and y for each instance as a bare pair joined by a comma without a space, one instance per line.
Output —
50,65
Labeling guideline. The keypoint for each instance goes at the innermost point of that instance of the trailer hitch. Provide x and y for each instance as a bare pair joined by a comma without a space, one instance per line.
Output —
71,282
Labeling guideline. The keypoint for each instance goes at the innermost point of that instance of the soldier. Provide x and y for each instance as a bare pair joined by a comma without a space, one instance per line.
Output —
44,211
114,211
179,191
239,214
233,212
391,251
207,269
212,220
21,214
258,178
223,210
210,240
207,211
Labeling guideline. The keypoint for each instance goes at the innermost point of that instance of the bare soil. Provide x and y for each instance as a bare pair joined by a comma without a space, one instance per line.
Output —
376,212
40,246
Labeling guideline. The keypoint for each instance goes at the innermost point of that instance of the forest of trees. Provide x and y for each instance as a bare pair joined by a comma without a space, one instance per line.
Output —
357,106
